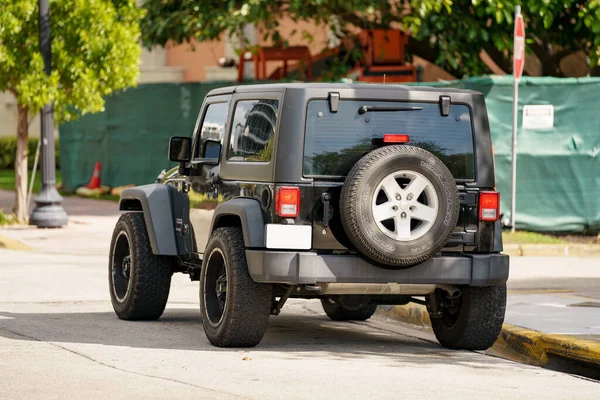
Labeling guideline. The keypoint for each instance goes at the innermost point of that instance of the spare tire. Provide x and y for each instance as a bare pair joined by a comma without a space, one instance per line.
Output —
399,205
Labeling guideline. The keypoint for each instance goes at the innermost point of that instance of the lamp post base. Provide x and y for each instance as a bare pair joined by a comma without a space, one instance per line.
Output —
48,212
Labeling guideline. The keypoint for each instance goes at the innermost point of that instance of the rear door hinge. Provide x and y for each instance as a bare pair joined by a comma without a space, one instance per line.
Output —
445,105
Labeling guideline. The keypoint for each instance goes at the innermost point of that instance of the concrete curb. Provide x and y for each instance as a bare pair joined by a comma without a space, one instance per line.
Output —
12,244
552,250
556,352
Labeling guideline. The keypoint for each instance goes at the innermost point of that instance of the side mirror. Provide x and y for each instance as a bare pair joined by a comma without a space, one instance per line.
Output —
212,150
180,149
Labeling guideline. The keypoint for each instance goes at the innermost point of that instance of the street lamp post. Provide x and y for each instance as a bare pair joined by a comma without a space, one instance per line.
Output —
48,212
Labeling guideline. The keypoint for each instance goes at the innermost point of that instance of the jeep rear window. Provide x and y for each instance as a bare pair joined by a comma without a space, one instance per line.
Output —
336,141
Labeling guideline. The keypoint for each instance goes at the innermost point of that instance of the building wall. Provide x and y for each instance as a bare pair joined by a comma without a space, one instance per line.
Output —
195,57
154,67
9,117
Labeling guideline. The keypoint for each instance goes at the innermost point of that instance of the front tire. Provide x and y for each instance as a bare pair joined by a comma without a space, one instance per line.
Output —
235,309
346,308
139,281
475,322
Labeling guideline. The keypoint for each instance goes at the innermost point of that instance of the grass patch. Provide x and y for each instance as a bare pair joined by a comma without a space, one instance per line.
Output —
7,182
523,237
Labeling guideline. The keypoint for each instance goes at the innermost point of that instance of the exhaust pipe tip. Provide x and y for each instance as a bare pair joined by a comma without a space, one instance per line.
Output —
453,291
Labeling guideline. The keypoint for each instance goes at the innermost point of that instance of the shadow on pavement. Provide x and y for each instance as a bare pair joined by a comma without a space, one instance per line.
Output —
298,336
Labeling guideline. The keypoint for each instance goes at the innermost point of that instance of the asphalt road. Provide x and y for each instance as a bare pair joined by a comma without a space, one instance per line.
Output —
60,339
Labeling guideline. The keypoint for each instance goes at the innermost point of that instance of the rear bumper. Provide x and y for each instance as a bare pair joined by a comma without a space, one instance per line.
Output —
311,268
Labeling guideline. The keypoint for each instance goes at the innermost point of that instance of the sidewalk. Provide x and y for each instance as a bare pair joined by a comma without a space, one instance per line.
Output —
555,295
89,231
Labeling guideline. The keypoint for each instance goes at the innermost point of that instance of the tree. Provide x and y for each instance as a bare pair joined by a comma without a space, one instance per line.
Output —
95,51
450,33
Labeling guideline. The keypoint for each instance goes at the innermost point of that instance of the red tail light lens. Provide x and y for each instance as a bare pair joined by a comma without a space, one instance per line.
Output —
395,138
287,201
489,206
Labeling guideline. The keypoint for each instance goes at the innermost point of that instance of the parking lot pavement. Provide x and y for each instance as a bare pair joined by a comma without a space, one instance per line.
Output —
60,338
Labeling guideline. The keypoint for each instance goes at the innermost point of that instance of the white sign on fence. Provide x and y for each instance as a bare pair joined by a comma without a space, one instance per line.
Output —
538,116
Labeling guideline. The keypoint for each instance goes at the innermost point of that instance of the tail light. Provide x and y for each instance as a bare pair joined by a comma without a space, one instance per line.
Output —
395,138
489,206
287,201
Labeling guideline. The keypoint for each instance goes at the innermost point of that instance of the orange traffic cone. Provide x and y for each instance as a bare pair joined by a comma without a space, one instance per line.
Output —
95,181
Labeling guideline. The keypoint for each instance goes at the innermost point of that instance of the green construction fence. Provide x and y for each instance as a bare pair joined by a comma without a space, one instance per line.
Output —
558,168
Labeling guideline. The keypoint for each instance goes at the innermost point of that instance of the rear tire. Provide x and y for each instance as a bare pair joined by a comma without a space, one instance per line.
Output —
139,281
476,322
337,311
235,309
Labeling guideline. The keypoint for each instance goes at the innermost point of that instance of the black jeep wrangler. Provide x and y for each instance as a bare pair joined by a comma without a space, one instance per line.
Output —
356,195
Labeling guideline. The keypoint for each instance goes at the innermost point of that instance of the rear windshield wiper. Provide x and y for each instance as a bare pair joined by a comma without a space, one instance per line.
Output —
364,109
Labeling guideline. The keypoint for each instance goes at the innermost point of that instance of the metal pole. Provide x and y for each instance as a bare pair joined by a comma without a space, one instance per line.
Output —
513,189
513,201
48,212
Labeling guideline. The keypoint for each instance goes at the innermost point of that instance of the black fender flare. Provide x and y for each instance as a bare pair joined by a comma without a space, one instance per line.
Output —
251,217
161,205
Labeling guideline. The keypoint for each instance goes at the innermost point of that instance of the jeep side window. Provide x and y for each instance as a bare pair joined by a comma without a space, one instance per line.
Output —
212,126
253,131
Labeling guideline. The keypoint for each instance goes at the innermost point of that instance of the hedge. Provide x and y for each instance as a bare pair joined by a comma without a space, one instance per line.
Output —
8,152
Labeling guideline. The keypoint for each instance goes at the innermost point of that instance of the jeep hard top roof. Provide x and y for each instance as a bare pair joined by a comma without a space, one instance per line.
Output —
331,86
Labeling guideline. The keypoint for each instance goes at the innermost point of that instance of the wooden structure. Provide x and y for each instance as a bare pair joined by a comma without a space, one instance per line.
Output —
385,57
301,54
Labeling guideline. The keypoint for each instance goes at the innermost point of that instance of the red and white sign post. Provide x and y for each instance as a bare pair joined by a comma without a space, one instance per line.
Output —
518,64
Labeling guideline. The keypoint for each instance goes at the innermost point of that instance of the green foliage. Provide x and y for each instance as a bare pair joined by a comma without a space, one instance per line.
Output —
95,51
450,33
554,29
208,19
8,151
7,219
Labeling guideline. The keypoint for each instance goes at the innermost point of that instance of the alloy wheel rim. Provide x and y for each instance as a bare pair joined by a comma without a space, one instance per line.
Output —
121,267
404,205
215,287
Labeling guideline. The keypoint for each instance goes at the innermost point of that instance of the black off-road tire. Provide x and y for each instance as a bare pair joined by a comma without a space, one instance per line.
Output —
337,312
356,205
247,306
149,275
478,322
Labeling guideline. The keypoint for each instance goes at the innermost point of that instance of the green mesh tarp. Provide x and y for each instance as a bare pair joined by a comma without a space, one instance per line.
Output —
130,138
558,169
558,181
